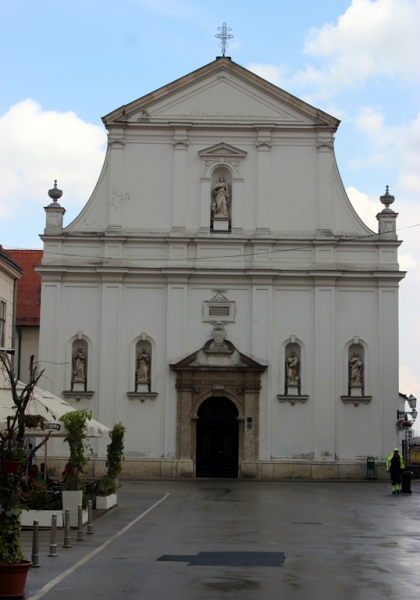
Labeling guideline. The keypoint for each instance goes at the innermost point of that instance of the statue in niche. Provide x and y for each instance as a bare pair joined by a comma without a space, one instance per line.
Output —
79,360
220,206
142,373
356,366
292,369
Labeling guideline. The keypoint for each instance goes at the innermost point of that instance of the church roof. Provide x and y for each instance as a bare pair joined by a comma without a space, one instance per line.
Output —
222,65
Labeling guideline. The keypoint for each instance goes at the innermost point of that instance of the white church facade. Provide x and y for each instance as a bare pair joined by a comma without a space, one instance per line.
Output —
219,295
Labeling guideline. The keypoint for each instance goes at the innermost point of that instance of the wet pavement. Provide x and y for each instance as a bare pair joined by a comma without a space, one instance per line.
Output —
221,538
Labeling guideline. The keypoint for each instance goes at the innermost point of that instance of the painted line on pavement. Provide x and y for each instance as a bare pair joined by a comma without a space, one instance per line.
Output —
84,560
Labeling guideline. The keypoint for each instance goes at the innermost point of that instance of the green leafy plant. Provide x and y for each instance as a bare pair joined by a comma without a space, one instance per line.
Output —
75,423
115,456
11,550
12,448
107,486
39,499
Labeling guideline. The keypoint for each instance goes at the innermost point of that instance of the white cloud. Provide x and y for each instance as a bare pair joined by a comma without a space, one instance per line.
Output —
39,146
271,73
409,382
367,208
369,39
397,147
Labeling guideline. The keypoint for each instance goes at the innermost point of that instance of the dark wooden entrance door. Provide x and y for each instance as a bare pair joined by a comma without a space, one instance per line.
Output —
217,438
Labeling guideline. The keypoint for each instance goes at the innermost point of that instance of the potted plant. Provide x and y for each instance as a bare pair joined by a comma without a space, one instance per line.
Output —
13,566
41,506
75,423
108,484
33,421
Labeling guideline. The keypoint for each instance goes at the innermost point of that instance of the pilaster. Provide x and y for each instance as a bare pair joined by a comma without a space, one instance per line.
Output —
324,367
116,145
325,147
264,145
180,143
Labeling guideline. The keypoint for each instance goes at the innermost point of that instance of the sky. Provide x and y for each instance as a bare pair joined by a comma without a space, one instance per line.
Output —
66,63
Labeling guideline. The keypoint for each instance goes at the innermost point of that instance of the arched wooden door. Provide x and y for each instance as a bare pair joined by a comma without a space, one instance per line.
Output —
217,438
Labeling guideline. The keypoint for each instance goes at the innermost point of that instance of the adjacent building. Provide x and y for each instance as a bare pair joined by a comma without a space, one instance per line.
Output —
28,306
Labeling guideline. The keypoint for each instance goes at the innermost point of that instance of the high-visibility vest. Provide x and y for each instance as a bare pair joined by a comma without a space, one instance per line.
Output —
402,465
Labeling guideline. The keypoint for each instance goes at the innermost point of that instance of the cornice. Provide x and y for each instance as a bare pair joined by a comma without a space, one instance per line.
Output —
219,127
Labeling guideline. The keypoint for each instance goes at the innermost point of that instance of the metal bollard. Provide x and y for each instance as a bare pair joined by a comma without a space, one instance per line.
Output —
80,537
53,539
90,519
35,546
67,529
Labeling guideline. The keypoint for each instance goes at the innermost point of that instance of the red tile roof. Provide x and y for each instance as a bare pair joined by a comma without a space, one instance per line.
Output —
28,287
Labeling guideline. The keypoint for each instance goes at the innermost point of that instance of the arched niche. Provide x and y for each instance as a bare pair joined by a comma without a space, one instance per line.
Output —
143,360
216,222
292,348
79,365
355,370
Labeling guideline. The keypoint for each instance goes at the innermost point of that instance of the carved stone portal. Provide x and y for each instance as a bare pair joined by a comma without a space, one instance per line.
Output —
217,370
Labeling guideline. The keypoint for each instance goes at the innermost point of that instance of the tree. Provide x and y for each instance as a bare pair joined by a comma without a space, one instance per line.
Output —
12,448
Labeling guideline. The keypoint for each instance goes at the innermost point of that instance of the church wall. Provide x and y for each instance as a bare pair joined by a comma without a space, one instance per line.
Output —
292,426
145,307
148,181
267,315
293,189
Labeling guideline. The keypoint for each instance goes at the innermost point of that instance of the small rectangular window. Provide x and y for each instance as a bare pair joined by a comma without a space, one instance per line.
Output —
2,323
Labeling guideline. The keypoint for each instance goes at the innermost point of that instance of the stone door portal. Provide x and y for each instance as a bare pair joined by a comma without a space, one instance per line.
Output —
217,438
217,425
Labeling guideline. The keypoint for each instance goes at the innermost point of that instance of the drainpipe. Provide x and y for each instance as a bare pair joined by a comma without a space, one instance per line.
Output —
19,330
14,320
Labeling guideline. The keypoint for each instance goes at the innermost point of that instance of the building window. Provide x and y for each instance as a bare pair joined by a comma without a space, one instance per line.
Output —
2,323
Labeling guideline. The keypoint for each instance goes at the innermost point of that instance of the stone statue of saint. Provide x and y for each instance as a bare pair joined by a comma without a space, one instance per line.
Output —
355,371
220,206
142,373
79,359
292,369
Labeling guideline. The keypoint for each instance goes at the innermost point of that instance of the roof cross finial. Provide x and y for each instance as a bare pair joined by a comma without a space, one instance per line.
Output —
224,36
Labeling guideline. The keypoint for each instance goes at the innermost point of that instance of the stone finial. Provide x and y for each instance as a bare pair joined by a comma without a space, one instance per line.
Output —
55,193
387,200
387,218
54,212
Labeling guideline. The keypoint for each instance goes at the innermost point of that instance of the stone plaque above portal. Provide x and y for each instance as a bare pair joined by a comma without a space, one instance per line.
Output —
219,308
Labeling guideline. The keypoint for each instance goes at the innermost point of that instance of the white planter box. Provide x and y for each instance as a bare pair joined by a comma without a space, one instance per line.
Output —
72,500
43,516
105,502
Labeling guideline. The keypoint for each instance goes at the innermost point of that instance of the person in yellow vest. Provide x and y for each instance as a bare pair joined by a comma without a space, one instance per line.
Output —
395,465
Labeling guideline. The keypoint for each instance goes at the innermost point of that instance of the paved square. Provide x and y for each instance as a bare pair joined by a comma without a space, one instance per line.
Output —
344,541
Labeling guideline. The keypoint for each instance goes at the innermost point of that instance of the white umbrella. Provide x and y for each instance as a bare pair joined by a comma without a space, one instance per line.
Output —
51,408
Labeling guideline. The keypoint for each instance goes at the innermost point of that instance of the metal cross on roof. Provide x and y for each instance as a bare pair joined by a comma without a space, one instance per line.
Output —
224,36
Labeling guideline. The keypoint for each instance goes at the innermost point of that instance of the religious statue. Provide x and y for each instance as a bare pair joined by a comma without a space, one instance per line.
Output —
292,369
356,371
79,360
142,373
220,206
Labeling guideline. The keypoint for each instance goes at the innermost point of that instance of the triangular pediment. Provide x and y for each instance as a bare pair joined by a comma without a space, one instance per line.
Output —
221,92
225,151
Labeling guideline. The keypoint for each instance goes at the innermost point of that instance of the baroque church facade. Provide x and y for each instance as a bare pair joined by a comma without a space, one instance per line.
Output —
219,295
